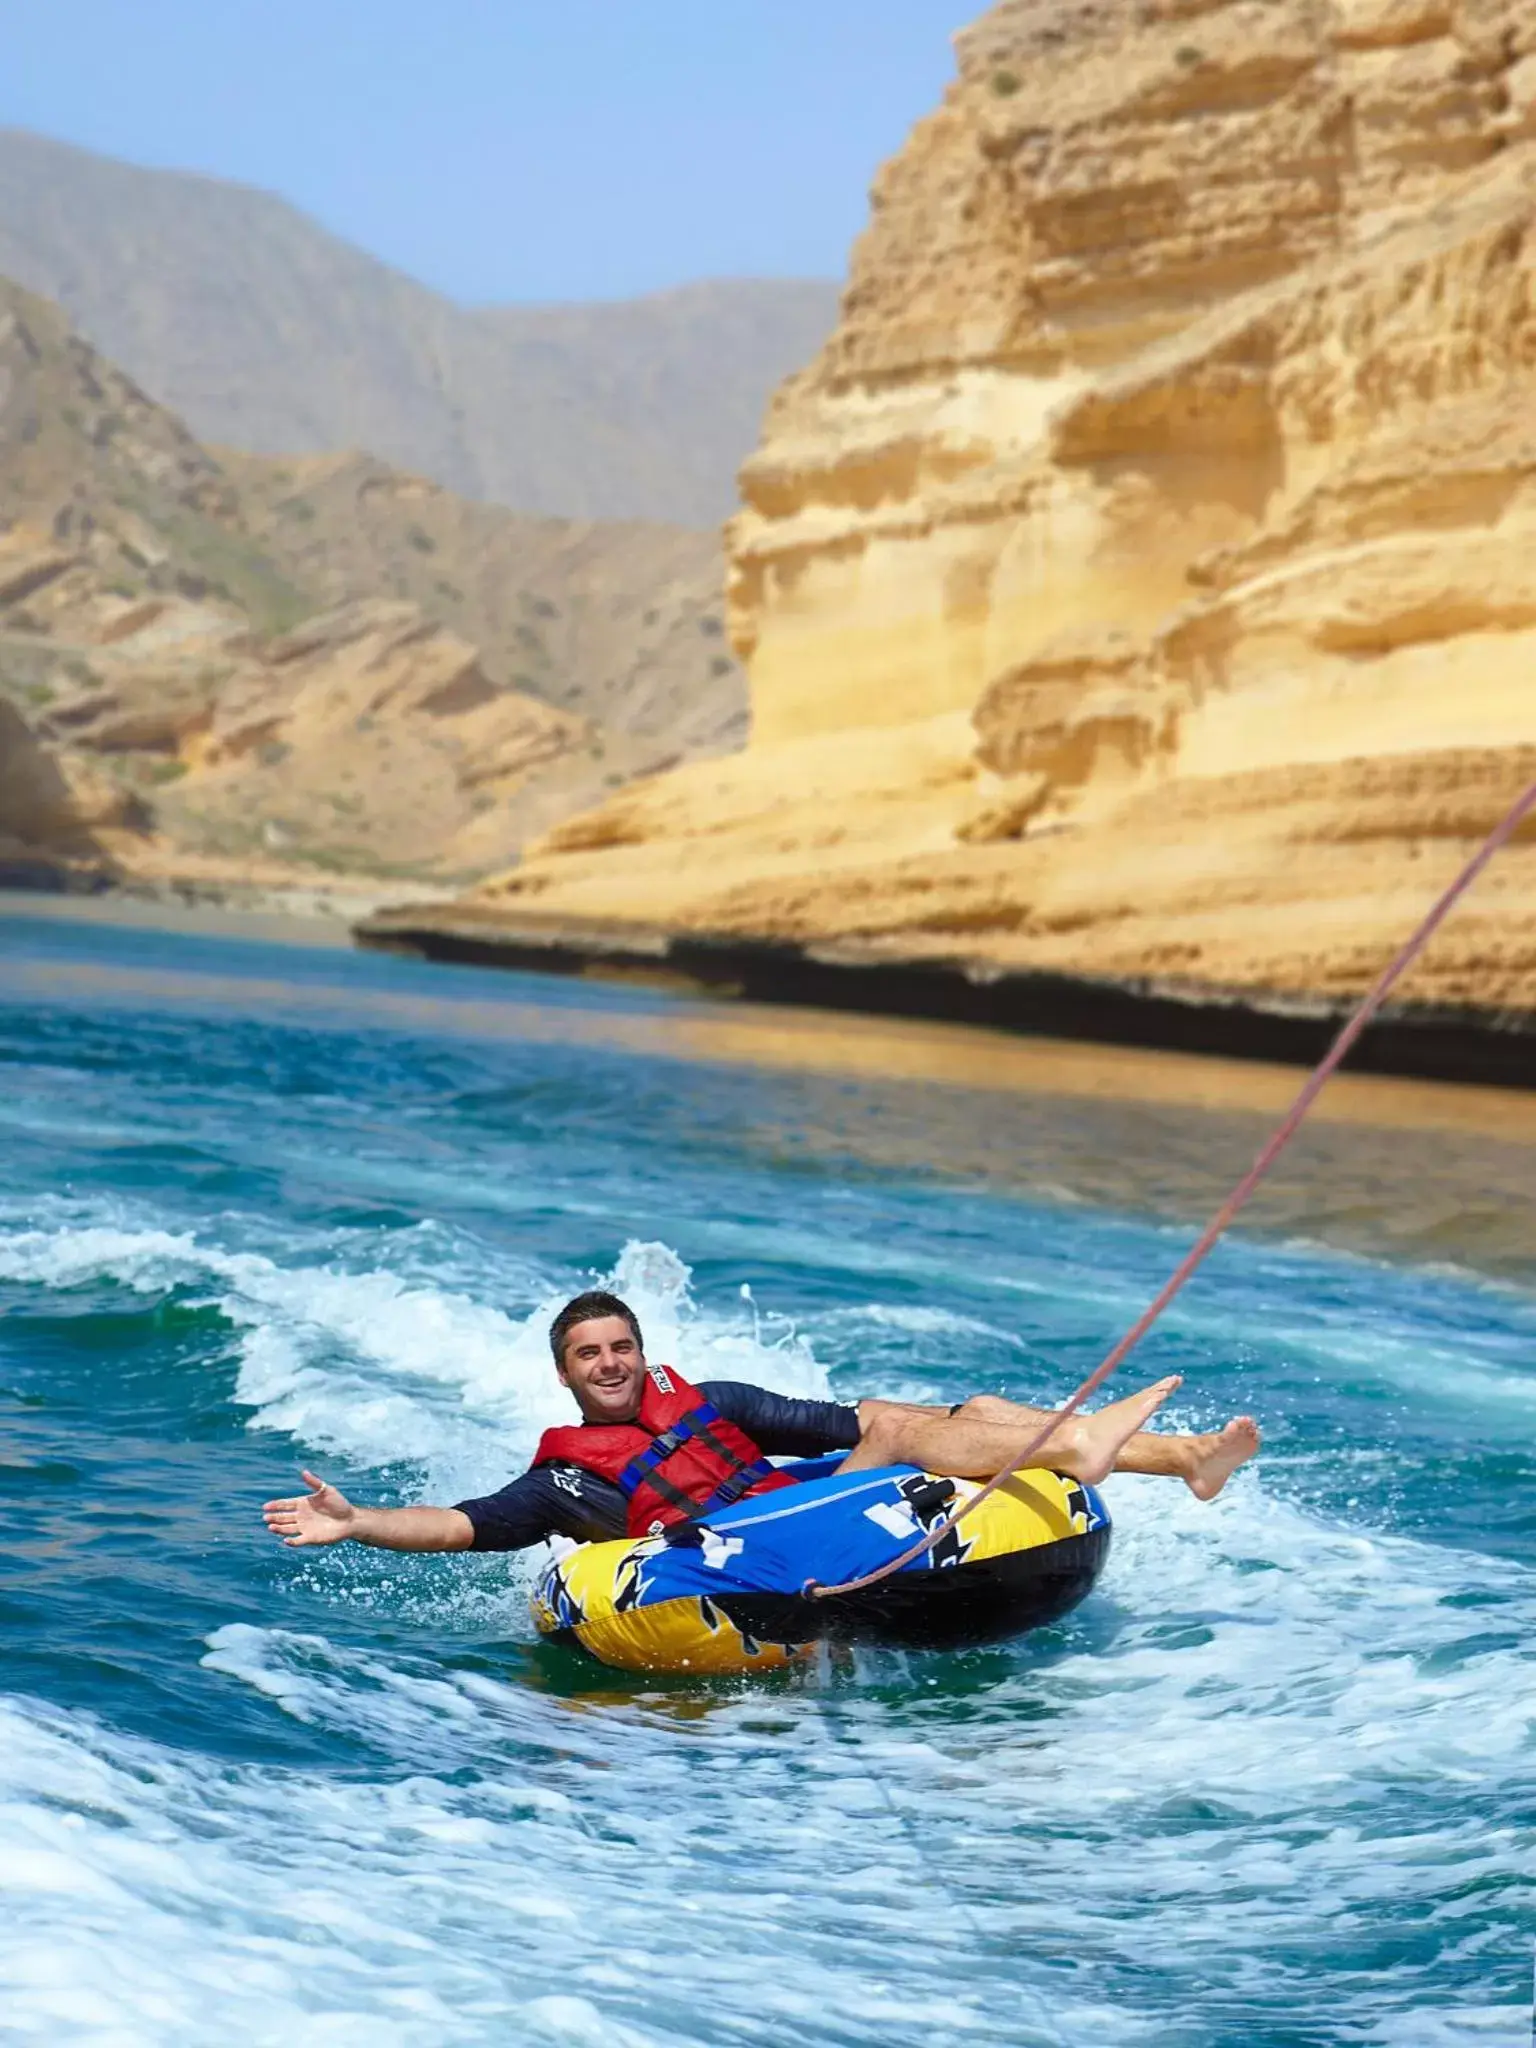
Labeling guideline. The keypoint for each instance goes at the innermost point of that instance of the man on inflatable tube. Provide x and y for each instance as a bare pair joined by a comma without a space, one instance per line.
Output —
651,1451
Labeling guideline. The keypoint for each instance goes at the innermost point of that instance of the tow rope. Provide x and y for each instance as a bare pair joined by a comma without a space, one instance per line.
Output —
1196,1255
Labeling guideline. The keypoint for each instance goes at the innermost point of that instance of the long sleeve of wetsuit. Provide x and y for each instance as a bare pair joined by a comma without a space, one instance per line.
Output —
551,1500
780,1425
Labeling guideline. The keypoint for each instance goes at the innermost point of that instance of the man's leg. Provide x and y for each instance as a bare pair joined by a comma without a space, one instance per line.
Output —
987,1434
1204,1462
968,1447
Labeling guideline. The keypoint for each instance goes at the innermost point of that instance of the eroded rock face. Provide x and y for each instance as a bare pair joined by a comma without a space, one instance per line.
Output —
46,817
1143,579
373,738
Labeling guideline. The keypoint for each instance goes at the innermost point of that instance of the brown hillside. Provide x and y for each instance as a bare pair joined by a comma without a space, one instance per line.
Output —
623,623
216,674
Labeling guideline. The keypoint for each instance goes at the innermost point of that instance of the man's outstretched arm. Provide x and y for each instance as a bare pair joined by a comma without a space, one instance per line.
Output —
327,1516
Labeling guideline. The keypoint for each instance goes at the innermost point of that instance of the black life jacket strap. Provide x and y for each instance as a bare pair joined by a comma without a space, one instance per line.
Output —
645,1469
741,1482
674,1496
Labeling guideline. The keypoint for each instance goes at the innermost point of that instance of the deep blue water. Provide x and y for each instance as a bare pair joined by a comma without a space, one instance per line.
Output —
1275,1782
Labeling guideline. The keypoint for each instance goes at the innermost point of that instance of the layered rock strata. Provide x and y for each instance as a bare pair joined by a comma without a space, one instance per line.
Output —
1143,578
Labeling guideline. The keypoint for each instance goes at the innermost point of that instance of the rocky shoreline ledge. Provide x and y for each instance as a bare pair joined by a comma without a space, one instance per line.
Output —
1421,1041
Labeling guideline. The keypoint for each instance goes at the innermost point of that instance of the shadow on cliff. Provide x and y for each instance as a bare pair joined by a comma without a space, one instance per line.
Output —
44,841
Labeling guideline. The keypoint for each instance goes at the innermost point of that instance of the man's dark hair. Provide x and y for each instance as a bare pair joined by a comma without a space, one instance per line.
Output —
583,1309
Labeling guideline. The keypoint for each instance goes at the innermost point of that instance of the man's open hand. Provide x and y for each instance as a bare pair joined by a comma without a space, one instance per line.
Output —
323,1516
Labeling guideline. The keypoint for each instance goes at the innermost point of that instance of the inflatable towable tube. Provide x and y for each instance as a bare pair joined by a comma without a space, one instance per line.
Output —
728,1594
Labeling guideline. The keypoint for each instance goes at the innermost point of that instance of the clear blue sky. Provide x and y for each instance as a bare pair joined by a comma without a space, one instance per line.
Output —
501,150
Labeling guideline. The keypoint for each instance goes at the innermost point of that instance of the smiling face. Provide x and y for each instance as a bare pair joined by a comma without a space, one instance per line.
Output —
604,1368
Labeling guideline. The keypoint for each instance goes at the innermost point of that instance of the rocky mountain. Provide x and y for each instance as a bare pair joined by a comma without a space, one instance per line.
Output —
1142,580
223,672
264,332
620,622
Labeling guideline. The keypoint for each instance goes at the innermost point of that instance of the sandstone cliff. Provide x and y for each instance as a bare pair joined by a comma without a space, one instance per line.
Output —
224,671
1143,578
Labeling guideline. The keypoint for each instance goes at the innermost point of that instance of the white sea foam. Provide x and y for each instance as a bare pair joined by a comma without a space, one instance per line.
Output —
913,1320
1226,1771
1239,1757
146,1260
388,1367
158,1898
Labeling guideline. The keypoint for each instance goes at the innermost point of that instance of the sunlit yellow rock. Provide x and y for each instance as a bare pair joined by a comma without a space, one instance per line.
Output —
1143,578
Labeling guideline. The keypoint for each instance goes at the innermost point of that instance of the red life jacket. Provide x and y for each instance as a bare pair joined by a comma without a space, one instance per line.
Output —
675,1462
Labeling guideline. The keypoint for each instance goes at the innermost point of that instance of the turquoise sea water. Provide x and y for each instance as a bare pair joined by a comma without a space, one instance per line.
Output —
1275,1782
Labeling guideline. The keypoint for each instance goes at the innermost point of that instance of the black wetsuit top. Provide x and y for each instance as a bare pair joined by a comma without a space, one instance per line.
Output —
562,1500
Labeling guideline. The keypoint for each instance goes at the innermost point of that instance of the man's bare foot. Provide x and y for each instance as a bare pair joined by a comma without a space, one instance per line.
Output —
1099,1437
1215,1457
